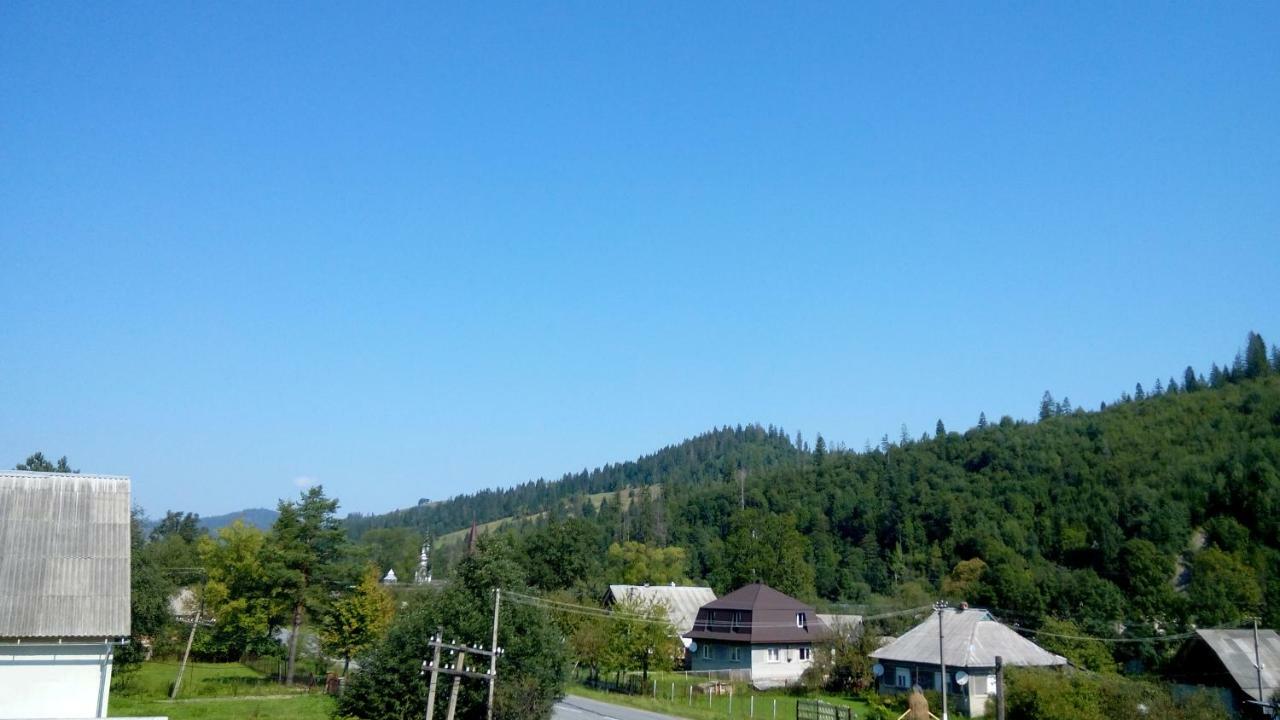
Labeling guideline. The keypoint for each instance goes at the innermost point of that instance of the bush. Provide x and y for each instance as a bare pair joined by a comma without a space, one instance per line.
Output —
1040,694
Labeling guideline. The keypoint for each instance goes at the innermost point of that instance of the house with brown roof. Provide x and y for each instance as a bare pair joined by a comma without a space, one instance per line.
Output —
755,634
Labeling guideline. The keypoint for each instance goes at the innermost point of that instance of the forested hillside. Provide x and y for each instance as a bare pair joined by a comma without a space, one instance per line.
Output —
1158,511
711,456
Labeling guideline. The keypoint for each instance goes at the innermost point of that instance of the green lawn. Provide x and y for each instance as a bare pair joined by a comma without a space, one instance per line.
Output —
673,698
213,691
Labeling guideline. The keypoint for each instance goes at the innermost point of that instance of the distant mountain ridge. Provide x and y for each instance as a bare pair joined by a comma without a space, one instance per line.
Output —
715,455
261,518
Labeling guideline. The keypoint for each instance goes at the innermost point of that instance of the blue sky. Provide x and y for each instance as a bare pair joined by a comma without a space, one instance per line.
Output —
415,251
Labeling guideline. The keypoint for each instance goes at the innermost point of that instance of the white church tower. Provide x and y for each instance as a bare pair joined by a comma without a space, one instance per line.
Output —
422,575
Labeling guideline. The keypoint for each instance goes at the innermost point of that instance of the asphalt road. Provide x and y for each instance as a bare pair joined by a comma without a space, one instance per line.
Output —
580,708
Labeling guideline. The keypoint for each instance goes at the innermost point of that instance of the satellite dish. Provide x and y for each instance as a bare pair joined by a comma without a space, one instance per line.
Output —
962,678
877,670
693,646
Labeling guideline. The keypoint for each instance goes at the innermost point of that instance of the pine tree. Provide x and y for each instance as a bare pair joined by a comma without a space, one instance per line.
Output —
1046,406
982,421
940,430
1138,393
1256,364
1157,389
1189,382
1172,388
1237,368
1215,376
1275,358
819,451
1064,408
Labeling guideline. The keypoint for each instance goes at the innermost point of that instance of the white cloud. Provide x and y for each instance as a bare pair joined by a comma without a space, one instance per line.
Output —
302,482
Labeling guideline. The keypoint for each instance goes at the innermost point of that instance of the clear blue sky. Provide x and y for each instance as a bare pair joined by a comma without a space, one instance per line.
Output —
415,251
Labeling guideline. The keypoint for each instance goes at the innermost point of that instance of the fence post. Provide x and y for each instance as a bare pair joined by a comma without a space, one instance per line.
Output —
730,701
673,692
690,696
655,688
752,713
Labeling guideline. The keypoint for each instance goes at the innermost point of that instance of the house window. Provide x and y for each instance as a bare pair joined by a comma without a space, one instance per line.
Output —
801,621
902,677
737,619
735,654
706,651
773,655
804,654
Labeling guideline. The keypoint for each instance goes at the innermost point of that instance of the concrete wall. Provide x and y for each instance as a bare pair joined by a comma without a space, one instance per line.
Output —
54,681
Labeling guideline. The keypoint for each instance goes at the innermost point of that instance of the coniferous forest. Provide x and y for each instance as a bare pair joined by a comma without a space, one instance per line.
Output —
1154,513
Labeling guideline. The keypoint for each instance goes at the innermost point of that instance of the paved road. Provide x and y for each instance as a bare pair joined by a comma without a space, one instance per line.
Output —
580,708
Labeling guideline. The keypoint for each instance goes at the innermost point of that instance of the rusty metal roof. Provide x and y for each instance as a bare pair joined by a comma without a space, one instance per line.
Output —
64,555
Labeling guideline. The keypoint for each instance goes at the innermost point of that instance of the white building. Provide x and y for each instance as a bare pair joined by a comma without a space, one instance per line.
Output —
64,591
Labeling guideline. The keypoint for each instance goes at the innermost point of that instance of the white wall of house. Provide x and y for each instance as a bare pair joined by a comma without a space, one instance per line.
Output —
54,681
779,663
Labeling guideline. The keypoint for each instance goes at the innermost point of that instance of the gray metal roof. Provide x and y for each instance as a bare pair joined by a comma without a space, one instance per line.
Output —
682,602
64,555
971,638
842,623
1235,649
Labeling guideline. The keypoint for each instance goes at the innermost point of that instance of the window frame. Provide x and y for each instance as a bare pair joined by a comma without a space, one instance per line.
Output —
705,652
773,655
802,620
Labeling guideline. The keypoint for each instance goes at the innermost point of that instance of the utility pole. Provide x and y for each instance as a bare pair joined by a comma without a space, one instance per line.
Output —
1257,663
493,647
941,606
435,665
182,669
457,681
999,688
458,671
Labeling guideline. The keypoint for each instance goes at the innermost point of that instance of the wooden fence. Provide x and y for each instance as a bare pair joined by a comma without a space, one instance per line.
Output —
818,710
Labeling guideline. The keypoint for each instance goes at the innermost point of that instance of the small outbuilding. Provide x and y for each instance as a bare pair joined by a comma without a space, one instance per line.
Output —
64,591
971,641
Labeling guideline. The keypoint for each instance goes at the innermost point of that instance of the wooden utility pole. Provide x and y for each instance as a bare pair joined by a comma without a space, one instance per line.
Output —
435,665
999,688
493,648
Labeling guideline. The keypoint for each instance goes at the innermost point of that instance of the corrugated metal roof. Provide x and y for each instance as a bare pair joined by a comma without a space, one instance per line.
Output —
1235,649
841,623
64,555
682,602
971,638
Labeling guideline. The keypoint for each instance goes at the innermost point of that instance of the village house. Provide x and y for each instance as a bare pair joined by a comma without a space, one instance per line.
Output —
972,640
756,634
1228,660
681,602
64,591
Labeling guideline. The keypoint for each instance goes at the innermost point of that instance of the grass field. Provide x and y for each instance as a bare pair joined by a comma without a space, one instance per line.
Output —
673,698
213,691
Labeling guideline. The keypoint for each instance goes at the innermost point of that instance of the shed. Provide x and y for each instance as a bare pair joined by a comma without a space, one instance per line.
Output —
64,591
